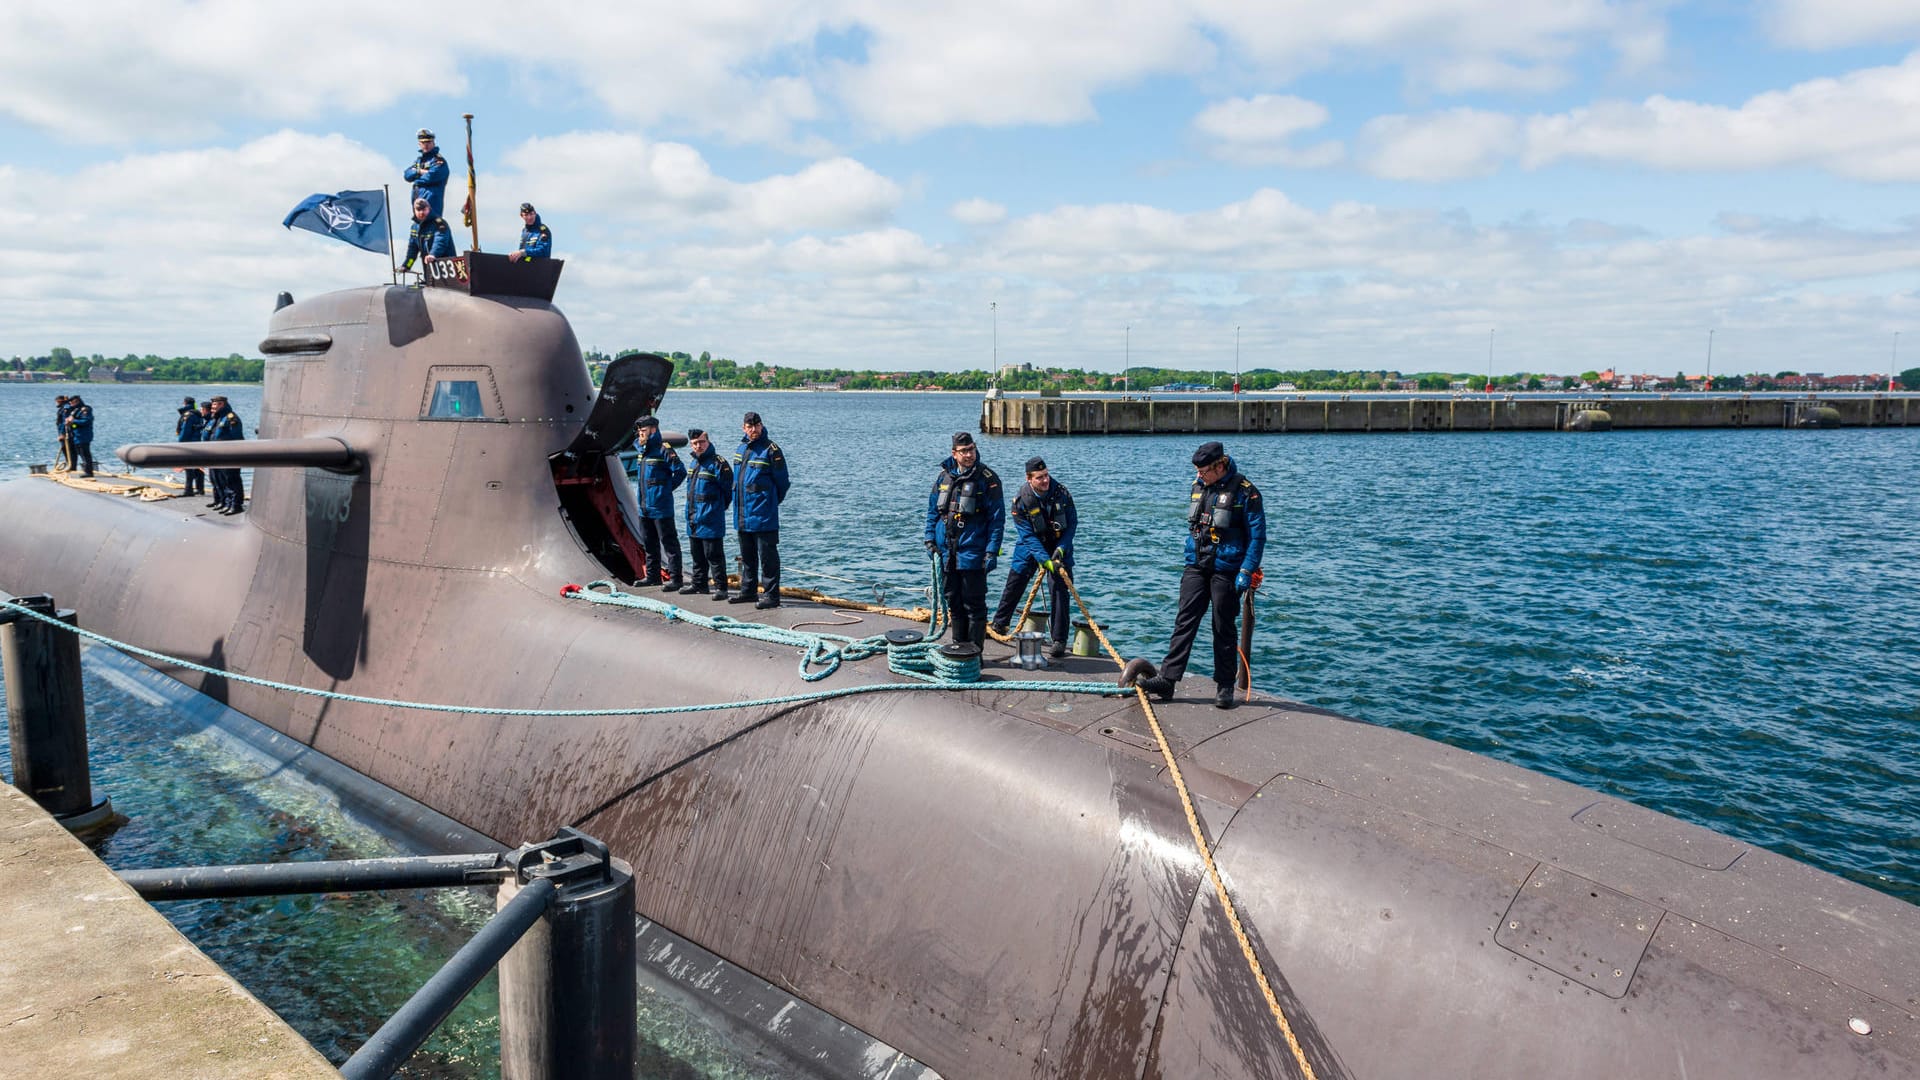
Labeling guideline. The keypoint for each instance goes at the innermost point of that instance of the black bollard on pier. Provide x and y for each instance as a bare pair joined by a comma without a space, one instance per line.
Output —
47,714
567,990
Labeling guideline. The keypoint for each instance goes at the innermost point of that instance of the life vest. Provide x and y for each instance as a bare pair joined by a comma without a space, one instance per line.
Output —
1050,523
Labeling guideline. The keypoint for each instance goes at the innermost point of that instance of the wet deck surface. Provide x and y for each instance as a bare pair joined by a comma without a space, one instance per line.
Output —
94,982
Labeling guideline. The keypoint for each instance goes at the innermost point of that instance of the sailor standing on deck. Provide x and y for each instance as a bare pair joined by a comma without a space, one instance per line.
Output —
428,174
709,487
536,241
660,471
187,429
1226,536
60,411
759,487
225,426
966,517
80,434
1043,524
430,237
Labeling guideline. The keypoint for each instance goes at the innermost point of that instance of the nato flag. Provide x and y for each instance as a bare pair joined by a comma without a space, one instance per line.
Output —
358,217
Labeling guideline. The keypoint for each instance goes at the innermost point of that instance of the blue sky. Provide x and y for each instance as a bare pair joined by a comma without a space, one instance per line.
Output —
1375,184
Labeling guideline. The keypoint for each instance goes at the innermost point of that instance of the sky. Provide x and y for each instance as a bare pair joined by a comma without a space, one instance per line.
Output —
1415,185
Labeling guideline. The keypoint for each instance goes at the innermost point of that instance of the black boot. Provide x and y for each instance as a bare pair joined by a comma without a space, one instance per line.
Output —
768,599
675,582
698,588
745,595
1223,697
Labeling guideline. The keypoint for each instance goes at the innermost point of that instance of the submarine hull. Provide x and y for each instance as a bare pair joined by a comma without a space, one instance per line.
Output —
999,884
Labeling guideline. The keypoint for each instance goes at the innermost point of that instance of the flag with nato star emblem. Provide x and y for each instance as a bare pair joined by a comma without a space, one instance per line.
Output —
358,217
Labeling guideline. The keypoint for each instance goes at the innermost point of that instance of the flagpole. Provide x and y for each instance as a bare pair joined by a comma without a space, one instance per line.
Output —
473,201
387,193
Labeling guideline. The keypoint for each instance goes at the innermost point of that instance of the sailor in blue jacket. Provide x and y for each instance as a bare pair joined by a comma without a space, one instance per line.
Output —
430,236
60,411
1226,537
966,517
709,489
80,433
1043,526
187,429
428,174
536,241
659,471
225,426
759,487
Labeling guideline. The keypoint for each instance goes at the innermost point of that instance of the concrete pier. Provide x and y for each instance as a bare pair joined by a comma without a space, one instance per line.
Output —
94,982
1175,414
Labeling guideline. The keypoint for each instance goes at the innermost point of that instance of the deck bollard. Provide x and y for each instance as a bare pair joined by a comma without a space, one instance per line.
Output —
47,715
568,990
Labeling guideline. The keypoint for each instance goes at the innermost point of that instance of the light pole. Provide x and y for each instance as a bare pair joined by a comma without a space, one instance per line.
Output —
1893,364
1709,360
995,308
1126,359
1236,361
1490,331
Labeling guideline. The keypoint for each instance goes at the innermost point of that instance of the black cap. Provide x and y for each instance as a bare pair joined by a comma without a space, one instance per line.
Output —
1208,454
750,418
1034,465
962,438
694,433
526,208
186,401
647,421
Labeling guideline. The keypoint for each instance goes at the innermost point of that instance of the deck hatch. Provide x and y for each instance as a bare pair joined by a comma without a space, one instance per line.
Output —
1579,928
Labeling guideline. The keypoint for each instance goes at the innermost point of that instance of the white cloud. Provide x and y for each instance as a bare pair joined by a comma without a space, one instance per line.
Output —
1443,146
1828,24
1258,130
1865,125
616,175
977,212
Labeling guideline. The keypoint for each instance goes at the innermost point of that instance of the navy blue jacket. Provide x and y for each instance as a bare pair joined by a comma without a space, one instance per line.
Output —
709,489
536,241
1041,524
659,471
759,484
80,425
60,414
1238,546
428,174
188,427
966,541
224,427
430,237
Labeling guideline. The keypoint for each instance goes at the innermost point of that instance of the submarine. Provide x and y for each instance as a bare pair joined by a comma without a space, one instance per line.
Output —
999,883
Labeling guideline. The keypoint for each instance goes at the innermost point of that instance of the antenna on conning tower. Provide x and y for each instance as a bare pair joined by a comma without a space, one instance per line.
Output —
471,211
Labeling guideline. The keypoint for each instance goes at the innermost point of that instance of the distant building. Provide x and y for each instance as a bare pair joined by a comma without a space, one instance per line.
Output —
108,373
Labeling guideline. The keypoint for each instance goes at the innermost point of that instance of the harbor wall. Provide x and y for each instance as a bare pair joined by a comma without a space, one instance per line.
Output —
1120,416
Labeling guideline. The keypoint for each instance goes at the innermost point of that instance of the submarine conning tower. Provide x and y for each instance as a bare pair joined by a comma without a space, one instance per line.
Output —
454,406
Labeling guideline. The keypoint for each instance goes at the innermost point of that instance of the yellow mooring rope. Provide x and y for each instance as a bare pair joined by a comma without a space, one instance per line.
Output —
1200,843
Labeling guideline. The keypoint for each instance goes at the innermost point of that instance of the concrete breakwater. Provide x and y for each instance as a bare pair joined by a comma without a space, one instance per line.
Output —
1120,416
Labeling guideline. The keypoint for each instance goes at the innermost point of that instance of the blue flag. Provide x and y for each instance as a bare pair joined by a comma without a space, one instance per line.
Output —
358,217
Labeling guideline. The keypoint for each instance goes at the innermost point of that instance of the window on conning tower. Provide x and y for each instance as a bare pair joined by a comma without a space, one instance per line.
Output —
455,400
461,392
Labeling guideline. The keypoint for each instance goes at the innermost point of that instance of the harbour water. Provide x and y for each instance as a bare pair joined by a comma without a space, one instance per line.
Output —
1722,627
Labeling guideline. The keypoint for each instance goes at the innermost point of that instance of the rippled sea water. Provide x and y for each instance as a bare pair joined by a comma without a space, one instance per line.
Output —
1720,625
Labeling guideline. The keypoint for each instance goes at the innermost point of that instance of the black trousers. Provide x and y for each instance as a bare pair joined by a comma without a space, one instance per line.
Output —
658,535
709,559
967,600
196,482
1197,588
83,458
1017,581
760,561
227,487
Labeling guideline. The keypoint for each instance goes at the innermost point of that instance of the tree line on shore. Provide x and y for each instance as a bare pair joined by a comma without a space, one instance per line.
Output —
231,368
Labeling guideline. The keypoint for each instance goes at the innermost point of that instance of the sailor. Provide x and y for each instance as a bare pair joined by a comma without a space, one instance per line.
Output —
60,411
759,487
428,174
187,429
660,471
1226,536
430,236
80,434
709,487
1043,526
966,517
225,426
536,240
